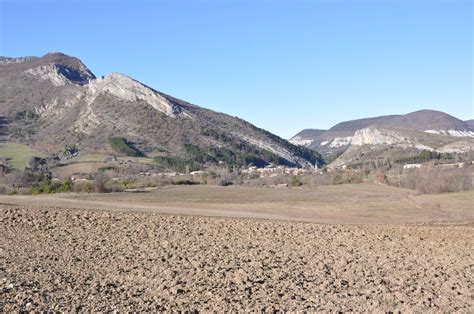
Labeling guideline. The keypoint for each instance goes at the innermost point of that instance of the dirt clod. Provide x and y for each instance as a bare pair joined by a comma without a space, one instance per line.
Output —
66,260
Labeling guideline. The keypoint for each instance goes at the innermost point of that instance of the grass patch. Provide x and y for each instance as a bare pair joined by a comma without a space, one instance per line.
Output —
102,158
18,155
86,158
140,160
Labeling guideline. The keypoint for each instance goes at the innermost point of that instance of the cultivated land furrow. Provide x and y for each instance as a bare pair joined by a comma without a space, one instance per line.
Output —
84,260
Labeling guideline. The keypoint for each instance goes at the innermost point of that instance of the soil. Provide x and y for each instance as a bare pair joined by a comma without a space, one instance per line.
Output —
90,260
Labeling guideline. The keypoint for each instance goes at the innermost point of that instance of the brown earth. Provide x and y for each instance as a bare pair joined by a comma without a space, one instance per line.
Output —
94,260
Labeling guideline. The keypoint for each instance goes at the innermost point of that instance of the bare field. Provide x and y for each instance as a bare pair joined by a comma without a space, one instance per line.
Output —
339,204
120,252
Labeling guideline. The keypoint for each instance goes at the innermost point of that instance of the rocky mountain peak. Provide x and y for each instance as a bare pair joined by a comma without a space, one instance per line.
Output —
60,69
426,119
128,89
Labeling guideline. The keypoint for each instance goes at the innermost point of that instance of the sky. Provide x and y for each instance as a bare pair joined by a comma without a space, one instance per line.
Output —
281,65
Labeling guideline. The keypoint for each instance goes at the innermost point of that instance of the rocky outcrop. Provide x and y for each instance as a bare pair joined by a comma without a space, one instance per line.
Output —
457,147
128,89
455,133
298,140
375,136
60,73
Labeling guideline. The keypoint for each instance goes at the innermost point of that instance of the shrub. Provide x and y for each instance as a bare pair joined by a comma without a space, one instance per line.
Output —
348,176
424,156
86,187
3,189
295,181
432,179
175,163
24,179
122,146
114,186
78,186
225,178
49,186
185,182
99,183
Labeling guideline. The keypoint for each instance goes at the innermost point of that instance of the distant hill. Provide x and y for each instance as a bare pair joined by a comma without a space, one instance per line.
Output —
424,129
55,101
419,120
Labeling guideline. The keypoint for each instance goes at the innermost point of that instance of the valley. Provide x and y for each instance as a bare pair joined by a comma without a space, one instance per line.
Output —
117,197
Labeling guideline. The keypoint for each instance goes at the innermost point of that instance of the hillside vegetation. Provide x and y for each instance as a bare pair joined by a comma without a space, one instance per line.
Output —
122,146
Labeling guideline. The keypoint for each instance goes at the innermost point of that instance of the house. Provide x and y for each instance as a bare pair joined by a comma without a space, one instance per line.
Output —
197,173
411,166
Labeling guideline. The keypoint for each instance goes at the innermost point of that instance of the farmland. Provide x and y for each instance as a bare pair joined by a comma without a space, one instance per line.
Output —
347,247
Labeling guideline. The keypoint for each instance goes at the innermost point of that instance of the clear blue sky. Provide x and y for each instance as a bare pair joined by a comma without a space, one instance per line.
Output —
282,65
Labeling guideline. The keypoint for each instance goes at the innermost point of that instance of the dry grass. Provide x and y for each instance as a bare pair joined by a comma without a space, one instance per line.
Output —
83,168
101,158
356,203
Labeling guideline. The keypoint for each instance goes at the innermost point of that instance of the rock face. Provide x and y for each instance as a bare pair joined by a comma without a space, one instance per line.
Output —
306,137
455,133
61,75
375,136
457,147
56,67
127,89
383,145
67,105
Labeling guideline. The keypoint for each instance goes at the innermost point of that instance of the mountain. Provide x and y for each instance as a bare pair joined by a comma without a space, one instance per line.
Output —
470,123
338,138
55,101
419,120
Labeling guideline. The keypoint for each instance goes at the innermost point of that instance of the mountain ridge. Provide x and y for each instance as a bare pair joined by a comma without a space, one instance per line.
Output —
418,130
421,120
66,105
